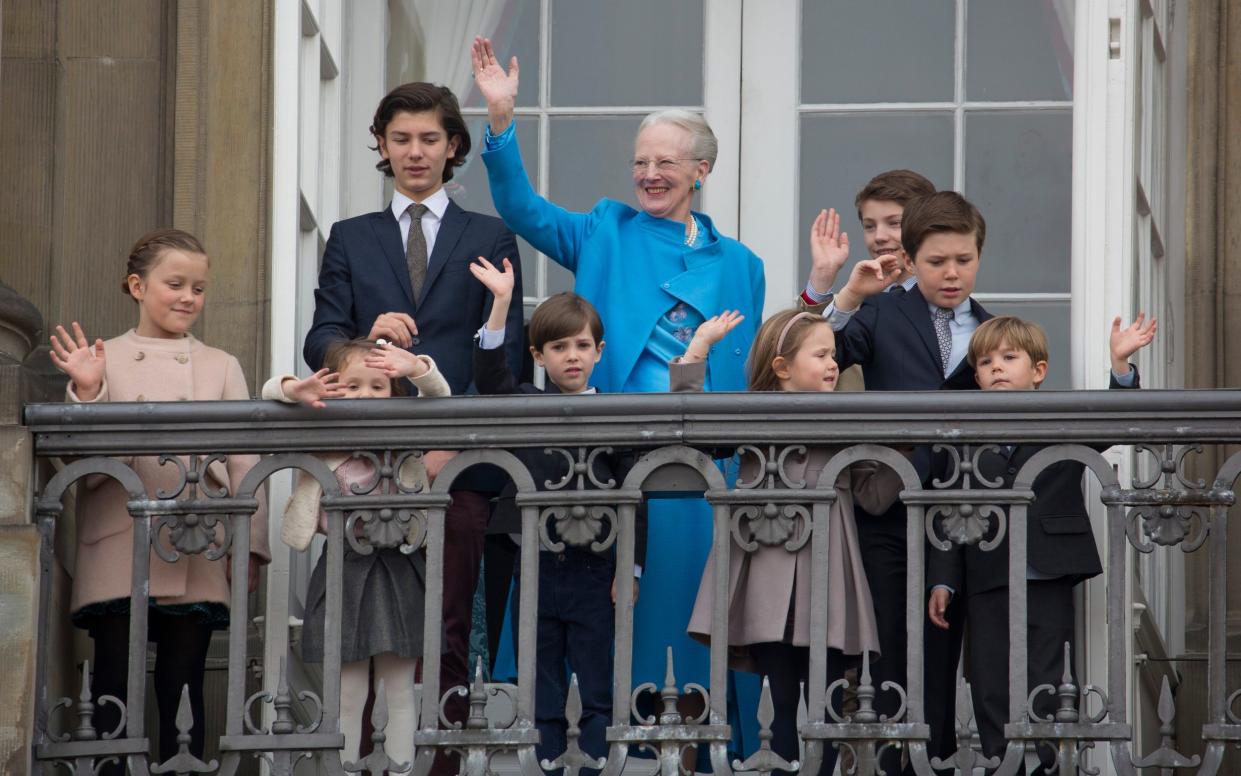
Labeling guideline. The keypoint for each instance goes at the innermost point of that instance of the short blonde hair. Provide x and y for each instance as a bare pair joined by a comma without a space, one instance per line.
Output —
703,144
1018,334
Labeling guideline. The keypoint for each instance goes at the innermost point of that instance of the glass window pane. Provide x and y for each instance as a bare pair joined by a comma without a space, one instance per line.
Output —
877,51
840,153
589,161
1018,171
1054,318
469,187
429,40
637,52
1019,50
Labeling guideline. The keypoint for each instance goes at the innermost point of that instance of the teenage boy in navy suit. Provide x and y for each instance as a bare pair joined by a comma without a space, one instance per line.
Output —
402,274
1010,354
913,341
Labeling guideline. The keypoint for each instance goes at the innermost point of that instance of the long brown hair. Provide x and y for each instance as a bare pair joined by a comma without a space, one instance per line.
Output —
768,345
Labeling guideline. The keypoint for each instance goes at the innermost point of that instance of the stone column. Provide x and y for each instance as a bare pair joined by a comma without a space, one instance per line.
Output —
1213,314
20,326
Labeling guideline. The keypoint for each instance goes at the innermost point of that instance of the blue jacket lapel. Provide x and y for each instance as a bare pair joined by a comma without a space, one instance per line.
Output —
388,235
451,229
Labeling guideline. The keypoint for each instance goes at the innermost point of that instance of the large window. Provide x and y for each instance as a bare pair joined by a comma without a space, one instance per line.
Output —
974,94
589,73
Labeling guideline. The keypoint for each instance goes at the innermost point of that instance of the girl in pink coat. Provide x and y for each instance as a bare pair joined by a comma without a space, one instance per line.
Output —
158,360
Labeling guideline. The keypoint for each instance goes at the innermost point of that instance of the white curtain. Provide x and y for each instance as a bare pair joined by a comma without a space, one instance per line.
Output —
429,40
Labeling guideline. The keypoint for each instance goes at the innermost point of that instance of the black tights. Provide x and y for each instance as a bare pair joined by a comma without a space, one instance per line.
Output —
180,659
787,668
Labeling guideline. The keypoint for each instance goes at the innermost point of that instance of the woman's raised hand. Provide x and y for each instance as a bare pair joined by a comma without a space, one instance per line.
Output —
499,283
498,88
710,332
324,384
83,362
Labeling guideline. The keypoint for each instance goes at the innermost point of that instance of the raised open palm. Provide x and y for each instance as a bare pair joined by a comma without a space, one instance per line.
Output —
80,359
496,85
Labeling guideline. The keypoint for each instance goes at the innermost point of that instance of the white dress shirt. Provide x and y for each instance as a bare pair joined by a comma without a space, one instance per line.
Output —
436,204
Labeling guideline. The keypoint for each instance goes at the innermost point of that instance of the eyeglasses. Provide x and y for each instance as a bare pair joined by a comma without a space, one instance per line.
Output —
640,166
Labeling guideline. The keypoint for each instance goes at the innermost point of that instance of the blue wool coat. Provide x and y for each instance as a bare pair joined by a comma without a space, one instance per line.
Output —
628,265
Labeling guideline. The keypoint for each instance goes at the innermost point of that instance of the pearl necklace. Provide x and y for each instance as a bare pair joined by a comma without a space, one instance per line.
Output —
691,231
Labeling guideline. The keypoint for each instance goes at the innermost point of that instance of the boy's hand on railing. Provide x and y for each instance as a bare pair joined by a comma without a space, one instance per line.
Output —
80,360
829,250
435,460
1129,340
324,384
868,278
635,590
395,362
936,607
710,332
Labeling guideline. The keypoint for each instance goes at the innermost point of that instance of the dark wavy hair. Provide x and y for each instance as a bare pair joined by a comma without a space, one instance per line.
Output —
420,97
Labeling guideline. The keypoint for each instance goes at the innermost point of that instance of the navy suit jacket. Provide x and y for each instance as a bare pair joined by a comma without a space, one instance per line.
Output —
892,337
364,274
1059,541
545,465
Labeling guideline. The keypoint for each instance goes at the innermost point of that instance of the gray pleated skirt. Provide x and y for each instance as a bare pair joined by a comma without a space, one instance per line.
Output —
383,596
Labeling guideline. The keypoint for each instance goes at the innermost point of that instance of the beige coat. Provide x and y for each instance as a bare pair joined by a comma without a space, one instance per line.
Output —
302,516
148,370
769,589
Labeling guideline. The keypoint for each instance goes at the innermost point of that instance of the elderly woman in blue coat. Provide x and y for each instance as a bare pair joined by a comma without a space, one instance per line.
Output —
654,273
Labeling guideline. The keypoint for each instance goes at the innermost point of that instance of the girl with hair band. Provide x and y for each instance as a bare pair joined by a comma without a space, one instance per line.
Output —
769,588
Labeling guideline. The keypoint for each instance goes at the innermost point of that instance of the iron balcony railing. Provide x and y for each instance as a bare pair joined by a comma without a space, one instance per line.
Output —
678,434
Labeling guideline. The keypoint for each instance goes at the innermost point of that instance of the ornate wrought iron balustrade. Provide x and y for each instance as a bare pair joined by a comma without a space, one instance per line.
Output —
678,435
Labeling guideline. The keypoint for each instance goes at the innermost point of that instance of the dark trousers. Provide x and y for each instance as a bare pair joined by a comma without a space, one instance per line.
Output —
787,669
575,627
1050,620
465,524
180,660
883,544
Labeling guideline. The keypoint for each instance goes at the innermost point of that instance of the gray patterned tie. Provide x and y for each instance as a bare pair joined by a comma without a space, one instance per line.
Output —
416,249
940,317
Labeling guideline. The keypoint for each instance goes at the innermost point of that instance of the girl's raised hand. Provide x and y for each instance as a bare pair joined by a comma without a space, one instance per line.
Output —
497,86
500,284
395,362
710,332
324,384
80,360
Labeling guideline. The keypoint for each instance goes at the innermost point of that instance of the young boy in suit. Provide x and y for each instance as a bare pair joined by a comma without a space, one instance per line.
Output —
1010,354
913,341
577,586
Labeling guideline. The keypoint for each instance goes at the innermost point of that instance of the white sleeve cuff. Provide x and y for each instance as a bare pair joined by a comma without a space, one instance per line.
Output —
490,340
837,318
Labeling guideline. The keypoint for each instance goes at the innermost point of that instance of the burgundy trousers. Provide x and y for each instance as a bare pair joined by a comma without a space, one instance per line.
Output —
465,524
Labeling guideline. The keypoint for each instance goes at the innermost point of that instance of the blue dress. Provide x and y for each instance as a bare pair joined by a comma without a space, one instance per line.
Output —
651,291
